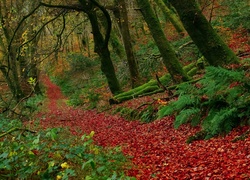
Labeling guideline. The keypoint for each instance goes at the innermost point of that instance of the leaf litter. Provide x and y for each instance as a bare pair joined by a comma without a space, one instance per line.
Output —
158,150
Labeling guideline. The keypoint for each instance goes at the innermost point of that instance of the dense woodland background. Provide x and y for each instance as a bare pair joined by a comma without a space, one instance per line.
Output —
142,60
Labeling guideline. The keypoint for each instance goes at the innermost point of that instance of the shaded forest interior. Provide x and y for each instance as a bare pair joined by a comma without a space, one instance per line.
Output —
186,61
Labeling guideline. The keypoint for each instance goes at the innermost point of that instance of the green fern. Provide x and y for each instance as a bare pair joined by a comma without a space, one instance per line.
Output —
166,110
220,74
219,121
183,101
185,115
222,97
217,80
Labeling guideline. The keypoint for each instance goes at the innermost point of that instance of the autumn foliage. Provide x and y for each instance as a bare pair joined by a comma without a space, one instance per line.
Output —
158,150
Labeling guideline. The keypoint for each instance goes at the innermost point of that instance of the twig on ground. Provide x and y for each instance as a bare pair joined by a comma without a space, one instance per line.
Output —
16,129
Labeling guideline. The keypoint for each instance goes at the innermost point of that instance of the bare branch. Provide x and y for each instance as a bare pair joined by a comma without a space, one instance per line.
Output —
16,129
39,31
19,25
75,7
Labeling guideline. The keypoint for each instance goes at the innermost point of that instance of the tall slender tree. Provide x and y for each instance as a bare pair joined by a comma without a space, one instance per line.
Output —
171,16
8,61
168,54
216,52
101,43
100,40
121,15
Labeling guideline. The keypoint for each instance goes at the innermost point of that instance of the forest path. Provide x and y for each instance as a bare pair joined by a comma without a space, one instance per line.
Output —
159,151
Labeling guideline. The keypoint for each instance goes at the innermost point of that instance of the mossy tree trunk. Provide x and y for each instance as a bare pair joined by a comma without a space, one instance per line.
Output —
13,75
216,52
171,16
8,67
121,15
168,54
101,44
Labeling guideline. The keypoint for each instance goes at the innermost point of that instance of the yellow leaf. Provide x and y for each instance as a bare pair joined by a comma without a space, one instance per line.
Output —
65,165
96,150
92,133
12,153
51,163
58,177
31,153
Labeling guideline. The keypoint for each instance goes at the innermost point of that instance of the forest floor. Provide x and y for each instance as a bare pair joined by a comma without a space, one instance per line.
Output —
159,151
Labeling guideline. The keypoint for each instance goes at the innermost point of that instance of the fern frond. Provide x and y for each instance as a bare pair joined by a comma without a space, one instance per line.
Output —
219,121
185,115
186,88
219,73
233,94
223,94
186,100
166,110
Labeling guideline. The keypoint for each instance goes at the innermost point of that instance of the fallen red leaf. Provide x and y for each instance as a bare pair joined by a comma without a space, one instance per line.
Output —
159,151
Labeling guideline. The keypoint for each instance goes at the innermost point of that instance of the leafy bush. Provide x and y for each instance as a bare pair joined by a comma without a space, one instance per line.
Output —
149,60
55,154
65,83
219,101
80,92
148,114
79,63
186,50
33,102
74,99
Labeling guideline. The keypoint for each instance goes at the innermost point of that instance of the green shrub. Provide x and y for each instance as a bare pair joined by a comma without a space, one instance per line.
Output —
75,98
219,102
55,154
93,98
80,92
80,63
65,84
148,114
33,102
145,115
149,60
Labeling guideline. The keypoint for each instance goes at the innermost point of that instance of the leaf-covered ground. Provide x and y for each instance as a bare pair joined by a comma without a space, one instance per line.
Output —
159,151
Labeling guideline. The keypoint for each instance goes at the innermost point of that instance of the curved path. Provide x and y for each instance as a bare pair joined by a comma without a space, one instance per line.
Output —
159,151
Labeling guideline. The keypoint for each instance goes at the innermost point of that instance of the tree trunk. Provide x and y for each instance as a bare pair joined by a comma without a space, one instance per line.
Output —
101,48
122,18
171,16
153,86
168,54
117,46
216,52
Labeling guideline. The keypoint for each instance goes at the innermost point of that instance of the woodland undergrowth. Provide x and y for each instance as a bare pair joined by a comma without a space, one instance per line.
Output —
218,102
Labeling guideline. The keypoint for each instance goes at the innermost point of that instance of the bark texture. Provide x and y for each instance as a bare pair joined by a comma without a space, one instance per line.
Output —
171,16
168,54
101,45
122,18
216,52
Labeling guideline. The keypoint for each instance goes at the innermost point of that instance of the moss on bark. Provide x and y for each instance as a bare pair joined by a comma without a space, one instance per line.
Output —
101,47
168,54
216,52
152,87
171,16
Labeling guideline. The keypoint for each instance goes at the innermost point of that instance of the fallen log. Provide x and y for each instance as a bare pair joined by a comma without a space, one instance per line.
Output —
153,87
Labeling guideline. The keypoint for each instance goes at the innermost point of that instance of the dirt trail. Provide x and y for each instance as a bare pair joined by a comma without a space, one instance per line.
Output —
158,150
